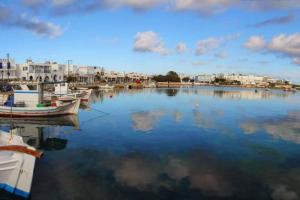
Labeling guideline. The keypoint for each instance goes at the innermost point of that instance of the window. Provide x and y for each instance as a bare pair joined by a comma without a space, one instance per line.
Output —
32,87
17,87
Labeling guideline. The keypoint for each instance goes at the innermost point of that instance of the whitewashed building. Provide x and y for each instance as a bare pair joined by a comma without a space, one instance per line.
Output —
245,79
8,69
205,78
42,72
85,74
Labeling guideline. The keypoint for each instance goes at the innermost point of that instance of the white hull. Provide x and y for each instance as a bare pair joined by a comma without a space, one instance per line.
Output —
65,109
16,168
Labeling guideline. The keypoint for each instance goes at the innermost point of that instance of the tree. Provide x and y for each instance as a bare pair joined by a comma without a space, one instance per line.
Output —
171,76
186,79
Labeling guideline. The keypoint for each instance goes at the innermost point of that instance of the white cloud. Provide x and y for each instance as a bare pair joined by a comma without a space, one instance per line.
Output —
255,43
203,46
33,3
286,44
296,61
62,2
204,6
149,41
136,4
212,43
9,18
221,54
282,44
263,5
181,48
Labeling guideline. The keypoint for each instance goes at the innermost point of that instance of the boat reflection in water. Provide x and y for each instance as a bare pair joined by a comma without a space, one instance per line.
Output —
41,133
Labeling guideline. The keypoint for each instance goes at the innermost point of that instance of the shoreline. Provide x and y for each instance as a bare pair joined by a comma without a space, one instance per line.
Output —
172,84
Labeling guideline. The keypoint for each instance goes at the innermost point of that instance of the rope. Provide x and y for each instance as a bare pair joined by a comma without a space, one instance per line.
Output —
97,117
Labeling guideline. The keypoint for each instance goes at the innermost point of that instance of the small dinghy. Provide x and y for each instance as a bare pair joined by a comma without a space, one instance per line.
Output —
17,161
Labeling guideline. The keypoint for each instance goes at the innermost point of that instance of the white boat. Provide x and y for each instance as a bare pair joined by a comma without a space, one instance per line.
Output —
17,161
25,101
85,93
55,110
106,87
62,92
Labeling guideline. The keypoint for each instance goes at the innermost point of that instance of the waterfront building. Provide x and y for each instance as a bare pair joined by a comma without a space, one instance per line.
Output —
204,78
85,74
248,79
8,69
42,72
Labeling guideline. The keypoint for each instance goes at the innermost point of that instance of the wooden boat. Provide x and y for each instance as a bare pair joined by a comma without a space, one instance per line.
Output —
62,93
26,100
17,161
63,109
106,87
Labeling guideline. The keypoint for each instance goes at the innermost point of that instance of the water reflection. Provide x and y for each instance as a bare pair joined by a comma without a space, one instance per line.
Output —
194,175
41,133
146,120
203,121
204,146
171,92
282,127
236,93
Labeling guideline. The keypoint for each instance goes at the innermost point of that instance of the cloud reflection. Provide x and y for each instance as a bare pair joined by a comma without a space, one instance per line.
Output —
140,175
282,193
146,120
285,127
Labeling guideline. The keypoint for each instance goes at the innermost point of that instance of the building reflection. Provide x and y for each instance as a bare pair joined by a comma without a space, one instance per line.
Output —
236,93
42,133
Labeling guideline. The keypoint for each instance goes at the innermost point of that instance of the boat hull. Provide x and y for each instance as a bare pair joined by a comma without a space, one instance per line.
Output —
67,109
16,168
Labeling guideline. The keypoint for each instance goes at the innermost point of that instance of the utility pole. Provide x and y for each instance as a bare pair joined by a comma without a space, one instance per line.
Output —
69,61
8,66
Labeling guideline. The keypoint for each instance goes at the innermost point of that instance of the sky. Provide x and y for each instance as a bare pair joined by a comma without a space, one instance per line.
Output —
156,36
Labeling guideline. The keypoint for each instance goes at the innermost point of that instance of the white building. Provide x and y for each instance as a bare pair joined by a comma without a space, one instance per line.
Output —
42,72
204,78
85,74
8,69
245,79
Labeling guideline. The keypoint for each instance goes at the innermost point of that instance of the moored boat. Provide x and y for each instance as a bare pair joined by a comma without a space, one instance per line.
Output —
26,100
106,87
62,109
17,161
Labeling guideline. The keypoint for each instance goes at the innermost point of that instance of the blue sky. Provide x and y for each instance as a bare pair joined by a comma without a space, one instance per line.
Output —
239,36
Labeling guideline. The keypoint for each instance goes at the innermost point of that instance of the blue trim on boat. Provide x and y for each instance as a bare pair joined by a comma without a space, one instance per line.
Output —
26,92
15,191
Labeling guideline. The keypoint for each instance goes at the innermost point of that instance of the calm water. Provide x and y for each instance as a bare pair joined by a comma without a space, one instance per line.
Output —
197,143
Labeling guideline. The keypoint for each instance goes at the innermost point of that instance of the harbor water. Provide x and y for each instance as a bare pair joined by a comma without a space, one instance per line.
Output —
170,143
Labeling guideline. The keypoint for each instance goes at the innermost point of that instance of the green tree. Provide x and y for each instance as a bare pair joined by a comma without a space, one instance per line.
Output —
186,79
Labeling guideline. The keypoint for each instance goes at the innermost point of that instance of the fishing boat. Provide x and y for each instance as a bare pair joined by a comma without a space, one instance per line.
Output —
62,93
26,100
85,94
106,87
17,161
